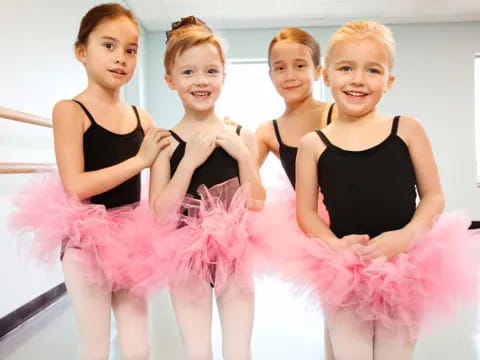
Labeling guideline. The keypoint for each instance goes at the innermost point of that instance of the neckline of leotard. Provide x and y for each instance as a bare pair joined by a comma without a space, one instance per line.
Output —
94,123
277,130
181,141
392,135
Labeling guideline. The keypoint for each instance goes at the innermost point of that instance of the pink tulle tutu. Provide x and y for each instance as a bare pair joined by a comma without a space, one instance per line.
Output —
212,244
436,274
53,221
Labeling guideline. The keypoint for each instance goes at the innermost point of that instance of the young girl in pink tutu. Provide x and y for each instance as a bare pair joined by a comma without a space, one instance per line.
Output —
101,145
385,264
294,63
210,168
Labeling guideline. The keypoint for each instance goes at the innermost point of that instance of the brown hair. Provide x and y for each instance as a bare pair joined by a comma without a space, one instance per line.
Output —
98,14
189,32
298,36
364,29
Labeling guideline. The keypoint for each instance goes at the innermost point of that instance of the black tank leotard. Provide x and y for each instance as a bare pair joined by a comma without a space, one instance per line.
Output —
369,191
288,154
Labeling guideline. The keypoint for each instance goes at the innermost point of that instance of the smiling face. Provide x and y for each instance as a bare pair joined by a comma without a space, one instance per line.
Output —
292,70
110,55
197,74
358,73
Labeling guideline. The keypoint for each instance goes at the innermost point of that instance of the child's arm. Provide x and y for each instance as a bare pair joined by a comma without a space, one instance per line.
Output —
426,172
243,149
249,171
167,193
261,136
431,203
307,188
68,124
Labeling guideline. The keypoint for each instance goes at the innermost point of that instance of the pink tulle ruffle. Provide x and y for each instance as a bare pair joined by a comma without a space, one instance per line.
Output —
430,280
51,221
212,244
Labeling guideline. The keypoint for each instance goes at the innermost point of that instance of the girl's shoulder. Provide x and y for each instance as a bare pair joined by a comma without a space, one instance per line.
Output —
409,127
67,111
265,129
265,133
324,112
312,143
146,121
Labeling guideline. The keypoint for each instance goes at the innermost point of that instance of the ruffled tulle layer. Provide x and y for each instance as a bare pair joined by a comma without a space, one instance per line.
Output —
207,240
52,221
212,244
439,272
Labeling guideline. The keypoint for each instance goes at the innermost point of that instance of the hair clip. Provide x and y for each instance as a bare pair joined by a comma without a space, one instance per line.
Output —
184,22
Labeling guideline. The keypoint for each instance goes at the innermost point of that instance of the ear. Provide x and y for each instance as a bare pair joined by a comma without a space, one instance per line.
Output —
389,84
169,81
81,53
318,72
326,78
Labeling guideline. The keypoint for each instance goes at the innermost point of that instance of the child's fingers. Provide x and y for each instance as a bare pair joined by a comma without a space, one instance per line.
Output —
367,251
357,239
161,134
164,142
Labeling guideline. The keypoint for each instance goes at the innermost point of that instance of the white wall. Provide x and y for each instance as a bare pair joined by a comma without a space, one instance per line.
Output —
435,74
37,68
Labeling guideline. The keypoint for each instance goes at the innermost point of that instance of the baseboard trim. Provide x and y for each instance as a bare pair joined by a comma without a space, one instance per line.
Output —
17,317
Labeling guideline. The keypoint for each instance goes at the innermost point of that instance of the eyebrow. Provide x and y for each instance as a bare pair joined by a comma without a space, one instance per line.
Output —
375,64
116,40
352,62
189,66
296,59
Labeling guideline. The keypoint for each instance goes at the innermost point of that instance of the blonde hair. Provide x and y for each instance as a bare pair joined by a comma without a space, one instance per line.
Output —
185,34
364,29
299,36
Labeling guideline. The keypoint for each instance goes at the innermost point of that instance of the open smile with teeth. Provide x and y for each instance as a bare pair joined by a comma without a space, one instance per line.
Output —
201,93
355,93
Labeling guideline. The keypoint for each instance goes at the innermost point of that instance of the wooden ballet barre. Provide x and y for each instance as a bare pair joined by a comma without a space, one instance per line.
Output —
24,117
25,168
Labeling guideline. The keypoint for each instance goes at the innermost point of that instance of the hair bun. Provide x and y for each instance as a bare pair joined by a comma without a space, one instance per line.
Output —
186,22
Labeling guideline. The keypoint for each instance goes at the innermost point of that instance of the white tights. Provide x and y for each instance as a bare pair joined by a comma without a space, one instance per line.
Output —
194,319
92,305
353,339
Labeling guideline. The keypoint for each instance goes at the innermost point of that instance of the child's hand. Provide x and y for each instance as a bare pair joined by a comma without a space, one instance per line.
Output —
231,143
388,244
227,120
199,148
349,242
153,142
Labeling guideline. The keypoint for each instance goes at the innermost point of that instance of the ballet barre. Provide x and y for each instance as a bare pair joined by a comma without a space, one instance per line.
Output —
25,168
20,116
